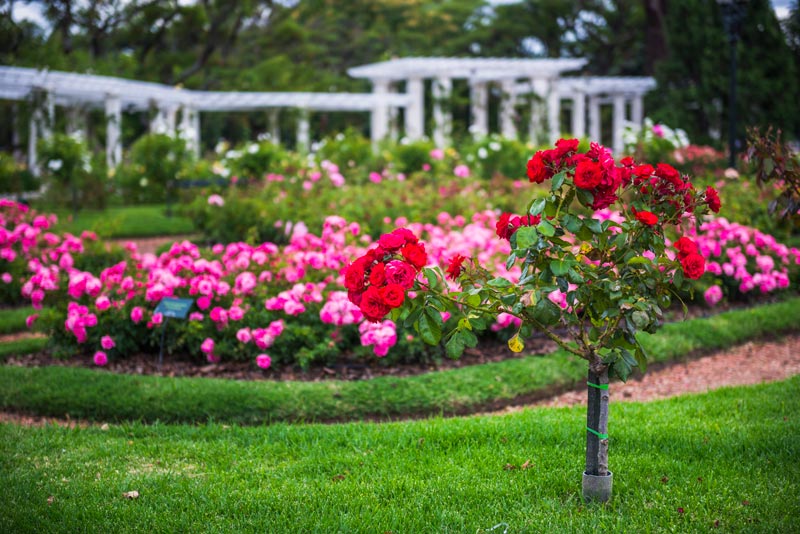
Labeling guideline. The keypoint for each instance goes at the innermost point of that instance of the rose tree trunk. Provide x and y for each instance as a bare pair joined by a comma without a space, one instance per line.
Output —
597,478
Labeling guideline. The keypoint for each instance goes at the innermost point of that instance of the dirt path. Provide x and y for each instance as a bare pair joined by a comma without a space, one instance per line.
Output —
751,363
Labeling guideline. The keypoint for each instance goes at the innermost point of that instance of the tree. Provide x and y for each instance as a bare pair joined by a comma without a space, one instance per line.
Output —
693,80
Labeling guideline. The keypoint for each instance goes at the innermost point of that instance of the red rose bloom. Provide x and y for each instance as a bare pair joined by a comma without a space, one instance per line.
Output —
391,241
685,247
537,169
401,273
354,276
645,217
372,305
415,254
588,174
377,276
565,146
694,265
393,295
406,234
456,266
525,220
712,198
502,228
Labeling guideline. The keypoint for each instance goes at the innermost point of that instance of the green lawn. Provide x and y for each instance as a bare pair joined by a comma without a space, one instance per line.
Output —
100,395
125,221
12,320
726,459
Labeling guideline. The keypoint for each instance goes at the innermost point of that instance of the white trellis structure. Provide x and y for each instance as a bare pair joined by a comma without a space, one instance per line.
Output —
176,111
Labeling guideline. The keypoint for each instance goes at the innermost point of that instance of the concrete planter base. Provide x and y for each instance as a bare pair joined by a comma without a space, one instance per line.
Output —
597,488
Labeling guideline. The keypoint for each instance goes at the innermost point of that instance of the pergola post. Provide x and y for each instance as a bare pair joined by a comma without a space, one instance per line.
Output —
274,125
479,112
113,131
41,123
536,125
16,139
170,119
617,144
637,109
554,112
394,115
579,115
190,129
507,108
77,123
379,117
158,124
303,131
595,131
415,112
442,115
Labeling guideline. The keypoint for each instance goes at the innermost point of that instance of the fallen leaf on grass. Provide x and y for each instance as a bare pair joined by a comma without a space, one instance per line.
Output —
527,465
131,494
50,500
338,478
509,467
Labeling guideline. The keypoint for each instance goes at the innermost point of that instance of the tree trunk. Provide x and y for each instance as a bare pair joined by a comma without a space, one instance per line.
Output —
597,421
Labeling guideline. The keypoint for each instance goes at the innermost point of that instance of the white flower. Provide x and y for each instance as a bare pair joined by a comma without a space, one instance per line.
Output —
55,164
482,153
143,182
494,145
252,148
221,147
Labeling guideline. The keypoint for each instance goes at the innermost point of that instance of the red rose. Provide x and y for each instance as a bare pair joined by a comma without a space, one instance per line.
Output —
456,266
393,295
603,198
694,265
377,276
391,242
537,169
565,146
712,198
401,273
372,305
525,220
407,235
668,172
415,254
502,228
354,275
355,297
588,174
685,247
645,217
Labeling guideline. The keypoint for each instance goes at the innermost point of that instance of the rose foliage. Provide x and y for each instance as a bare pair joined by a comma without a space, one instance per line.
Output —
615,276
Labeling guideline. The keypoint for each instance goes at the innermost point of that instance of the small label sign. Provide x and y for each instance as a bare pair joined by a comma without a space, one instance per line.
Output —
176,308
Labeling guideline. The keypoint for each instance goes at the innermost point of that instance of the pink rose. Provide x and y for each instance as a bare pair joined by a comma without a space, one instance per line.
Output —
263,361
100,358
107,342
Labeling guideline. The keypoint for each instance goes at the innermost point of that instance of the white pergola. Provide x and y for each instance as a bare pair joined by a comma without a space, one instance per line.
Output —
46,89
541,78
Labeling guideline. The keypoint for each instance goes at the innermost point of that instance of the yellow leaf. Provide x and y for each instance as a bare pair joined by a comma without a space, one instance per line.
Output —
516,344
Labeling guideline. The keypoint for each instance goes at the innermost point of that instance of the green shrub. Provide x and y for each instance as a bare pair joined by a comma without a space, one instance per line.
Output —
15,178
154,163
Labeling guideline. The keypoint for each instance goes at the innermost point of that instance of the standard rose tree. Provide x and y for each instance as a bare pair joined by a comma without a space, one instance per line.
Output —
589,285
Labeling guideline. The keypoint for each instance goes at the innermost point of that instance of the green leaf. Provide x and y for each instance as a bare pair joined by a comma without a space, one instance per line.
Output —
412,318
455,346
510,261
622,369
537,207
641,357
593,225
638,260
464,324
571,223
433,280
526,237
560,267
640,319
545,228
585,197
558,181
430,326
546,312
498,282
474,300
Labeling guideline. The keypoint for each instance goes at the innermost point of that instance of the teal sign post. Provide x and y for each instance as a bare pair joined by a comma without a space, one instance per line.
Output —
175,308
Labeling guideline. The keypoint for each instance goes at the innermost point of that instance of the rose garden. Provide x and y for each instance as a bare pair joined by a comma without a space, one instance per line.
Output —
243,336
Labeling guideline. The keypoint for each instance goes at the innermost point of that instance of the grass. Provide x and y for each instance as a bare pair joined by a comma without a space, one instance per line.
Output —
12,320
726,459
125,221
99,395
22,346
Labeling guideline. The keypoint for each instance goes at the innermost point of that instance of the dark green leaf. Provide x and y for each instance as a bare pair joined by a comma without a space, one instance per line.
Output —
498,282
526,237
545,228
430,327
560,267
538,206
585,197
558,180
594,225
